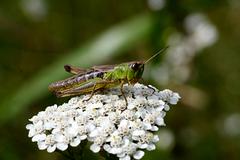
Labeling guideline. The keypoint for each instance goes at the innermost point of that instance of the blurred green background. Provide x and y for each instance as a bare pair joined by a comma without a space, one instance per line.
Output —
37,37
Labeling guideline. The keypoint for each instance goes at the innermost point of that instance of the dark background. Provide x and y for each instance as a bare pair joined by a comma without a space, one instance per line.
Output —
37,37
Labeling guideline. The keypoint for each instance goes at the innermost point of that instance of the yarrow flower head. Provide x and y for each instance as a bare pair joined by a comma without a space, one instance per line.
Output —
105,121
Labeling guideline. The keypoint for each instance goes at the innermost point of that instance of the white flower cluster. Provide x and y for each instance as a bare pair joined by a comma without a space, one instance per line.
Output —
106,121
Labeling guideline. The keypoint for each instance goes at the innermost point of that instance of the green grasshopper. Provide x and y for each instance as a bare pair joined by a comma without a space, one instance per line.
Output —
98,78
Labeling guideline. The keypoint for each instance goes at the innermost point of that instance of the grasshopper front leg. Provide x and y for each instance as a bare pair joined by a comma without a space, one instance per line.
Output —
121,88
148,86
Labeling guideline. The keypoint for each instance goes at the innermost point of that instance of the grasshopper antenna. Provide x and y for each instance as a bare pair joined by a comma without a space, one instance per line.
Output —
161,51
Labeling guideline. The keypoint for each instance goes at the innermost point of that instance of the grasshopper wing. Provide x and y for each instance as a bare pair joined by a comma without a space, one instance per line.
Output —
81,71
103,68
76,70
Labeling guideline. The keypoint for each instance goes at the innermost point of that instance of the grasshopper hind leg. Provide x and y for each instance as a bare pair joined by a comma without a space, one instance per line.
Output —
92,93
96,88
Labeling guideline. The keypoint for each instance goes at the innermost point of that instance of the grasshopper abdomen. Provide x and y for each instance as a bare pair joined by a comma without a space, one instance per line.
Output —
75,81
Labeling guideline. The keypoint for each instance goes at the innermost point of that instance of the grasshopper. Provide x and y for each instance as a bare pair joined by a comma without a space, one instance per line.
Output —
101,77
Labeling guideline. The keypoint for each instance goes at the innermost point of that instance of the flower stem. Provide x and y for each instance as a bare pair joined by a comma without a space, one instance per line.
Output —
66,155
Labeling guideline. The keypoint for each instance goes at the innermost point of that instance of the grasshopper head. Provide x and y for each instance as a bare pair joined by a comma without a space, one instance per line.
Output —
136,71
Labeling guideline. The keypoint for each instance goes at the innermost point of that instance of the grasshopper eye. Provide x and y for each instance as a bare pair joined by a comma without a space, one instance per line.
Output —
135,66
